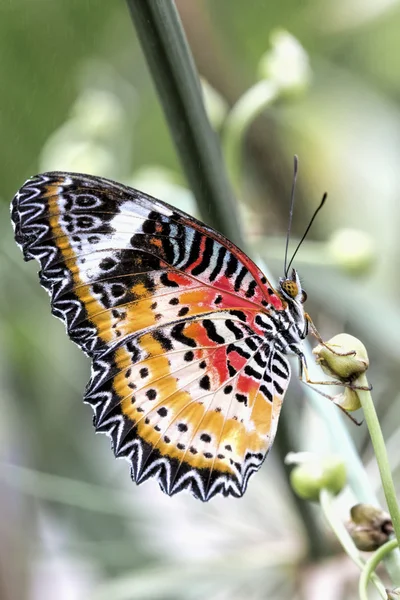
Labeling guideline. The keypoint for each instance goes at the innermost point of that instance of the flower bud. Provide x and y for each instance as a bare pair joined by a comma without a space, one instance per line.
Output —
346,361
352,250
369,527
313,475
348,400
286,64
98,114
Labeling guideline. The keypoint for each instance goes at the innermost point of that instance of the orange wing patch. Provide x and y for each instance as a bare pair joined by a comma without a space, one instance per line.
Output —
174,400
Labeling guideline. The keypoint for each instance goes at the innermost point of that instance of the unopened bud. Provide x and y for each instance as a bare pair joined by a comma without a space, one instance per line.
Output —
286,64
369,527
349,400
313,475
352,250
343,357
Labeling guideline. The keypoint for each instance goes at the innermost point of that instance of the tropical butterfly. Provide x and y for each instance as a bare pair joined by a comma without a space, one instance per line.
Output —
187,337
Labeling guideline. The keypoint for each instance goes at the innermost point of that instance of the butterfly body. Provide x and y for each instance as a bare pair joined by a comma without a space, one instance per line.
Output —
188,339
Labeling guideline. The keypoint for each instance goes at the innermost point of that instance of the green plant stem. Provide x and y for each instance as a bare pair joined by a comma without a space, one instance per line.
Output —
169,59
378,444
246,110
344,538
367,573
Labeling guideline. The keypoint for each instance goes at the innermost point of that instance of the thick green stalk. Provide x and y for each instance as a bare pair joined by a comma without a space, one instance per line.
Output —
378,443
170,61
381,456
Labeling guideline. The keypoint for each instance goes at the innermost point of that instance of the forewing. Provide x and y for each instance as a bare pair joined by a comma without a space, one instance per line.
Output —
180,325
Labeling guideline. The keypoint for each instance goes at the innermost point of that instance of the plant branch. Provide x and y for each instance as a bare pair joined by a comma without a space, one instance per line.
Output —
378,444
169,59
367,573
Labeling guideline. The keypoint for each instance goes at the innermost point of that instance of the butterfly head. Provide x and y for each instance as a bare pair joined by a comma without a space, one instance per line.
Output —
292,293
291,289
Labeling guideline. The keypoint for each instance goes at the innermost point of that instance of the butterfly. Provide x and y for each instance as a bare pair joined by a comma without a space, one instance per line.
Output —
187,337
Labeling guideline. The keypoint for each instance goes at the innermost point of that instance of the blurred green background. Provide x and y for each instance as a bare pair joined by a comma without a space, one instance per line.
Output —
76,94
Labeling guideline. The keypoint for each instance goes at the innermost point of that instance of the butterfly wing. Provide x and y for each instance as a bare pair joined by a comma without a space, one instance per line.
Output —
179,323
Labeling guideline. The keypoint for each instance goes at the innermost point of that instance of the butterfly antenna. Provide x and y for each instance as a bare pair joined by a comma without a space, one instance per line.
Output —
324,197
295,170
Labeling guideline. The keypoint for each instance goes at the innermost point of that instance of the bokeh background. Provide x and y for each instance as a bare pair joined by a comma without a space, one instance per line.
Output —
76,94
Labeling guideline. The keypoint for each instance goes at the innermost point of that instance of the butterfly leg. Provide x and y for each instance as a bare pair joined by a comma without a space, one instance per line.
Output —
304,376
331,398
303,372
305,379
316,334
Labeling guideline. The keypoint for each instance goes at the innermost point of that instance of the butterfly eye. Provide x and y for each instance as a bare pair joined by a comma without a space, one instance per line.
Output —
303,296
290,287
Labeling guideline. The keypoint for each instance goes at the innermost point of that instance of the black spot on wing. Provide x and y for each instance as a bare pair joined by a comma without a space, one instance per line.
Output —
259,360
219,263
251,289
264,390
241,398
179,336
237,332
212,333
238,313
205,382
252,372
151,394
162,339
263,323
205,259
239,279
231,369
252,344
194,250
231,266
283,363
267,377
188,356
232,348
279,372
165,280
